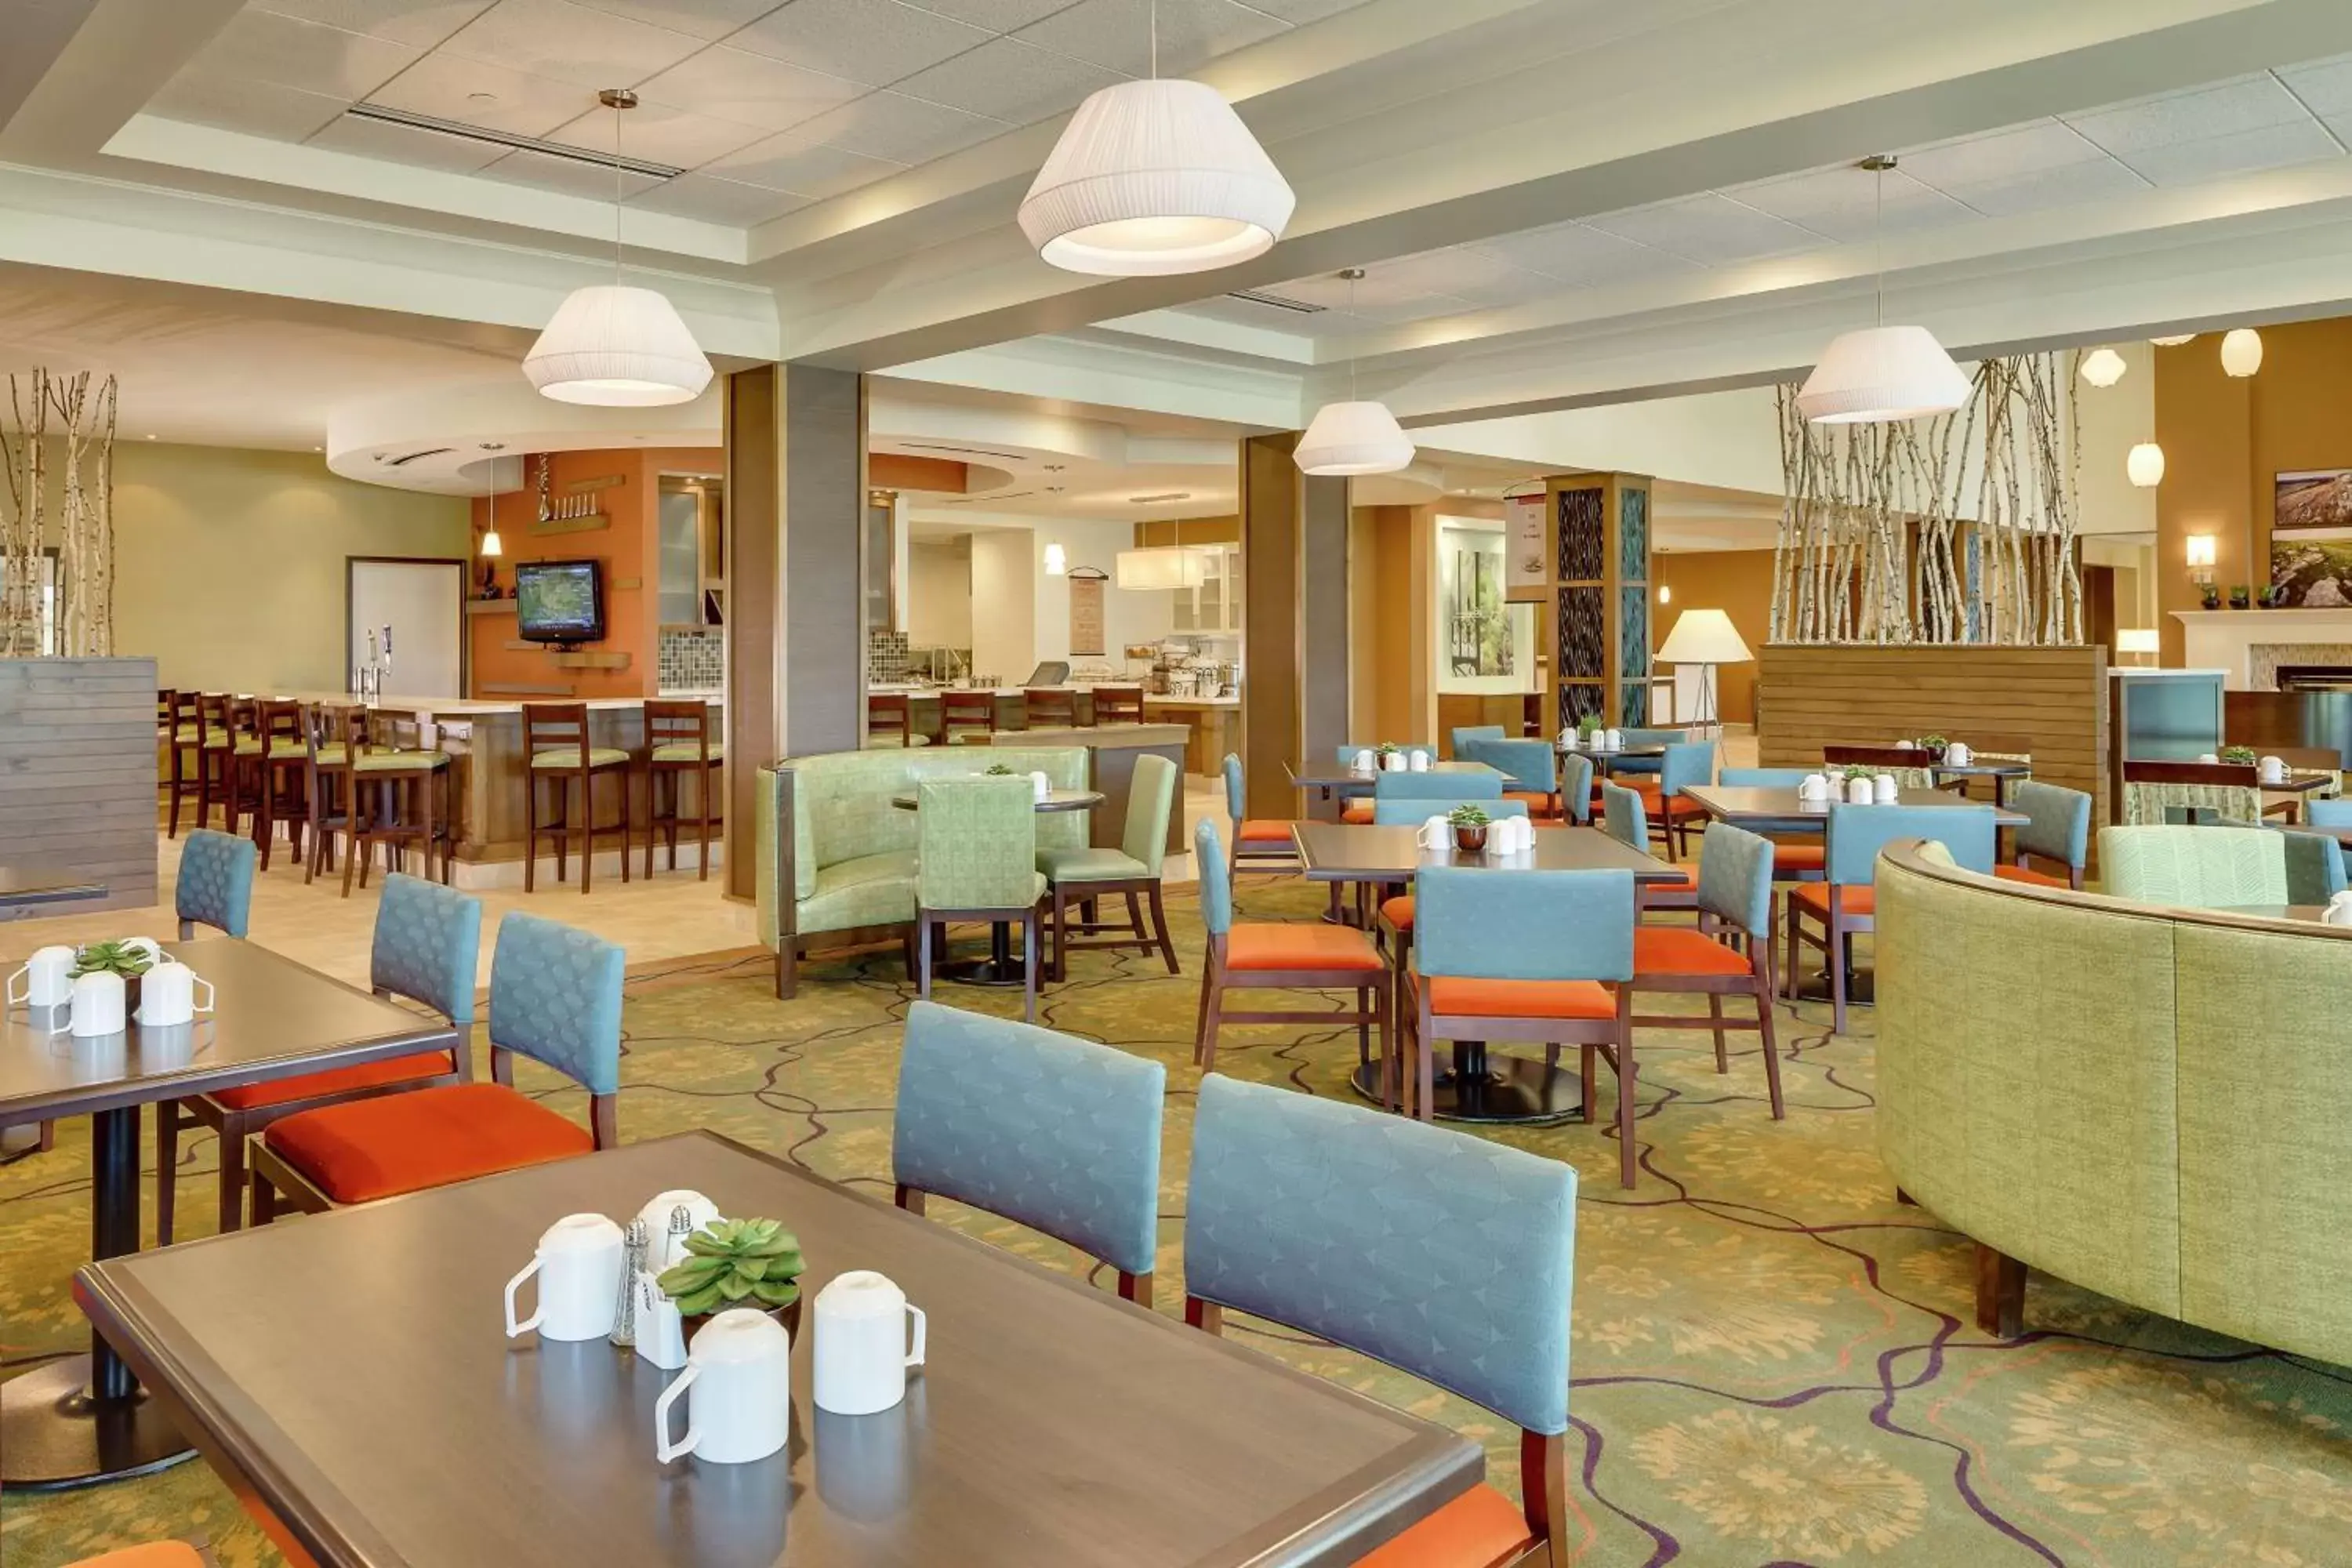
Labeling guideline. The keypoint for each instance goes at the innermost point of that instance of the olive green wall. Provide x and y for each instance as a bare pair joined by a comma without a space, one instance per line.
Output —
229,563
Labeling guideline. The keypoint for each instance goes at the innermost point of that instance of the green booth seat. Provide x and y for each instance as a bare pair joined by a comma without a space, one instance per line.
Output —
827,831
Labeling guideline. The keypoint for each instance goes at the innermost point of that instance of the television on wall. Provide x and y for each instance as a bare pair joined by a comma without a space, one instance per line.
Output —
560,601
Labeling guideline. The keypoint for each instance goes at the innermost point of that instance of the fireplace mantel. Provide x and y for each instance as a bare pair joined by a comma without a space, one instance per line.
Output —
2228,640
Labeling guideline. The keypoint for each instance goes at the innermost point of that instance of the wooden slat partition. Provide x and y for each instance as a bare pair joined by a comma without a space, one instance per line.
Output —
1810,696
78,773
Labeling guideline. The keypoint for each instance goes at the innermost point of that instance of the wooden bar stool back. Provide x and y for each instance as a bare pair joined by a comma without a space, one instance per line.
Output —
186,741
283,764
888,722
679,743
1047,708
555,739
395,794
332,736
1118,705
966,713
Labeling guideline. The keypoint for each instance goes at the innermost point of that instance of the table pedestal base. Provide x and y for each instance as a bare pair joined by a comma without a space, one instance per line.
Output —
1002,966
54,1435
18,1142
1492,1088
1860,989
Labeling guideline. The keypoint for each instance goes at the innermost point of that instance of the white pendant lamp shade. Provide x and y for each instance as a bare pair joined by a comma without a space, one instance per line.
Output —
1155,177
1703,637
1164,566
2143,465
1347,438
491,545
1882,373
2241,351
2174,343
617,347
2103,367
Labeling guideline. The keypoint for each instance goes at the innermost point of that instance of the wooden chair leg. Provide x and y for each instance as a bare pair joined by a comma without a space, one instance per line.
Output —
588,821
1765,1031
530,831
1714,1016
1061,931
923,955
2001,1293
232,1175
1626,1108
1789,979
1837,977
167,1167
1160,923
1135,1288
265,1200
1205,1042
1029,956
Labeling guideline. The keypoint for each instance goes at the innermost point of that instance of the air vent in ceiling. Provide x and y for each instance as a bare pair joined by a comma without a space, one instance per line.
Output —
466,132
961,451
407,457
1274,302
990,499
1154,500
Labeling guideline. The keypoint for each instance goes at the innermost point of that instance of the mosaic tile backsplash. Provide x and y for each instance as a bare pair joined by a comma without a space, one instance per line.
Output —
692,660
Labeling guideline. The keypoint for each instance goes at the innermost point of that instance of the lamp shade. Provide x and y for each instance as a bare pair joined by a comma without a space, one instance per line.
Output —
1057,561
1882,373
2143,465
1164,566
2241,351
617,347
1155,177
1354,438
2137,639
2174,343
2103,367
1703,637
491,544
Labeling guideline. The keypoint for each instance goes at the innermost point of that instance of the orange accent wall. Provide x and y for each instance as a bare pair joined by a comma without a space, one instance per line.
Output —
1740,583
904,471
628,550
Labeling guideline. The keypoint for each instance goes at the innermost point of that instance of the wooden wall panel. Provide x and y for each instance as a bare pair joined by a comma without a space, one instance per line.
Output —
2055,699
1274,674
78,773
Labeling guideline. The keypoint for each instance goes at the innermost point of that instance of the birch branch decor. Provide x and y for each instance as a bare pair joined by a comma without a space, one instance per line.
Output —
56,526
1959,529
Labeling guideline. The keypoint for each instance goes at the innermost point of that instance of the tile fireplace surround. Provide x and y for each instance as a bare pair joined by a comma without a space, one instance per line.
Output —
2249,645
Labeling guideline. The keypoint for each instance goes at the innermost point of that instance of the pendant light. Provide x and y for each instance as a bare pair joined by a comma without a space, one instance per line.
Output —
2103,367
2143,465
1155,177
2174,343
2241,351
1882,373
612,346
1353,437
492,547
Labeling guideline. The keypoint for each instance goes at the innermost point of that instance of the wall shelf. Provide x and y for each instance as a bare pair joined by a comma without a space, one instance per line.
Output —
489,606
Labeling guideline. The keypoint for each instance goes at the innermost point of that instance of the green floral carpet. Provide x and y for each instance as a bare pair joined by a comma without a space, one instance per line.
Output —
1774,1363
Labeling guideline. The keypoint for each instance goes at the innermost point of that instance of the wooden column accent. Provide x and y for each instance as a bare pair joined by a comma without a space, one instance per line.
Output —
77,766
1594,613
1323,658
1272,703
753,406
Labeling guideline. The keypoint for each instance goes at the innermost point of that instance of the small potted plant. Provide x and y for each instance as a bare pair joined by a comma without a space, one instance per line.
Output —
131,960
2240,598
1935,745
2238,756
1469,824
2208,596
999,770
1588,727
753,1263
2272,596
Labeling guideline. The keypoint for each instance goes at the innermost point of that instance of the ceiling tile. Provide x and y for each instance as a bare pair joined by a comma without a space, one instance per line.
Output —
545,172
1999,154
1709,230
709,20
729,84
1574,254
2323,86
790,162
1010,81
420,24
718,201
874,41
1843,202
261,45
570,42
657,131
2269,147
476,92
1296,11
255,108
1475,277
996,16
2037,189
905,130
1117,34
405,145
2225,109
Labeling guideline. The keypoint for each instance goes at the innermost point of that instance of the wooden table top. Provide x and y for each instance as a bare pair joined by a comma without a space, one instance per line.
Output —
2010,770
1354,852
1334,774
23,886
273,1018
1056,800
2314,913
1780,808
352,1369
2296,783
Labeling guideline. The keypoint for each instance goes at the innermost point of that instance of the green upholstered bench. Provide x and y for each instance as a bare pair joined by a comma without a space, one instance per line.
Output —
828,832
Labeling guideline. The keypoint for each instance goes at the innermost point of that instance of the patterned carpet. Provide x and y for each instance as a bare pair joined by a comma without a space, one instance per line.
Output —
1774,1363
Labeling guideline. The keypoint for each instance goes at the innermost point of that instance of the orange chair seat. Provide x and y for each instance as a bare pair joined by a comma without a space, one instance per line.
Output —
1788,857
1265,945
372,1148
1263,830
1458,997
1815,896
156,1554
2026,873
1679,950
334,1081
1357,810
1398,912
1480,1527
1679,806
1542,807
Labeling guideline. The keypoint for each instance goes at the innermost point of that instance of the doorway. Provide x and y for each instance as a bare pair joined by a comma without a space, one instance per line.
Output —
418,603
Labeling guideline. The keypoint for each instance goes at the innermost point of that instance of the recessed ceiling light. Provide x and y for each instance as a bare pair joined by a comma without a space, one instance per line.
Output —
318,448
481,98
494,446
1150,501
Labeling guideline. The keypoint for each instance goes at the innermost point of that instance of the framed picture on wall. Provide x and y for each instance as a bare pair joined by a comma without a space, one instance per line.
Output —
2311,500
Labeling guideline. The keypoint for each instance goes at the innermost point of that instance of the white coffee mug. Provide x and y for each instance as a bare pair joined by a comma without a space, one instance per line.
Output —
1418,761
1435,834
2210,758
1392,762
667,1227
862,1354
1814,787
2338,911
1884,791
1571,741
2274,770
1040,785
167,995
578,1262
1957,755
98,1001
1611,739
48,979
1364,763
1858,792
741,1370
1511,835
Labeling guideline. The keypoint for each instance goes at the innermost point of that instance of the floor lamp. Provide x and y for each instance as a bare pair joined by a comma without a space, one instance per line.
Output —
1705,638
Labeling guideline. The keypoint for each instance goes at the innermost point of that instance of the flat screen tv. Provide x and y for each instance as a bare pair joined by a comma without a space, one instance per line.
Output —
560,601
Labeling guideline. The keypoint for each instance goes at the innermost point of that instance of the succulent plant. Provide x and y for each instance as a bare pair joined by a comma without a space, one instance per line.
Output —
735,1262
2243,756
1857,771
1934,742
999,770
112,958
1390,747
1466,815
1589,725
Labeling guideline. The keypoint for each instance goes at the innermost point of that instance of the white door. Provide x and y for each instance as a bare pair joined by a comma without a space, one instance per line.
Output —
423,603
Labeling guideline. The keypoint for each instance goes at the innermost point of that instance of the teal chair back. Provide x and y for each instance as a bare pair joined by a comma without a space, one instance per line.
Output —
1388,1237
2195,868
1465,733
1480,924
1235,797
1624,816
215,883
555,997
1735,878
1411,812
978,848
1401,785
2058,825
2314,867
428,941
2329,813
1687,762
1150,799
1059,1134
1653,737
1531,765
1858,833
1761,778
1216,882
1576,785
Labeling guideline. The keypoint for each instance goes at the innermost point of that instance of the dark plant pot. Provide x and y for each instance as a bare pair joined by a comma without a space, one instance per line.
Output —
2211,600
1936,752
130,993
789,1315
1471,840
2239,601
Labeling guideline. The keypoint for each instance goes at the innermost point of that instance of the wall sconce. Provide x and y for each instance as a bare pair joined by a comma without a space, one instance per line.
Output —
2202,557
1057,560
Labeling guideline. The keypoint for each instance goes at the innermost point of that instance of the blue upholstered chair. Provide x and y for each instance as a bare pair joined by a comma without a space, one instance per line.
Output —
428,940
2057,829
2329,813
1672,813
1464,734
1625,818
1262,845
215,883
1735,899
1357,807
1299,1213
2314,867
1536,956
555,997
1530,770
1402,785
1285,955
1644,737
1059,1134
1576,787
1411,811
1845,901
1762,778
1790,862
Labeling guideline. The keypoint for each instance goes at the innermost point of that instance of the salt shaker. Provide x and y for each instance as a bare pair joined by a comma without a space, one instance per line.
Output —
633,1261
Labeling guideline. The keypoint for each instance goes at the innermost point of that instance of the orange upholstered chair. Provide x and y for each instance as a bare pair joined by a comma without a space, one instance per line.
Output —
1846,902
1734,899
1262,845
155,1554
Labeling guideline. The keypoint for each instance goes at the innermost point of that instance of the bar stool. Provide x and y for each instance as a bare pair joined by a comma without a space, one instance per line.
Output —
555,739
282,766
1118,705
187,743
1047,708
331,736
966,711
888,722
677,743
215,760
394,780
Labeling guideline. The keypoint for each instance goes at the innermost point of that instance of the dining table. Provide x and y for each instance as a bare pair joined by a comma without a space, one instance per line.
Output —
1482,1086
85,1418
1000,968
369,1399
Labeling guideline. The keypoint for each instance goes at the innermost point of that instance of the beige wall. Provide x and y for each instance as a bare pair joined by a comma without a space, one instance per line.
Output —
1740,583
939,592
229,563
